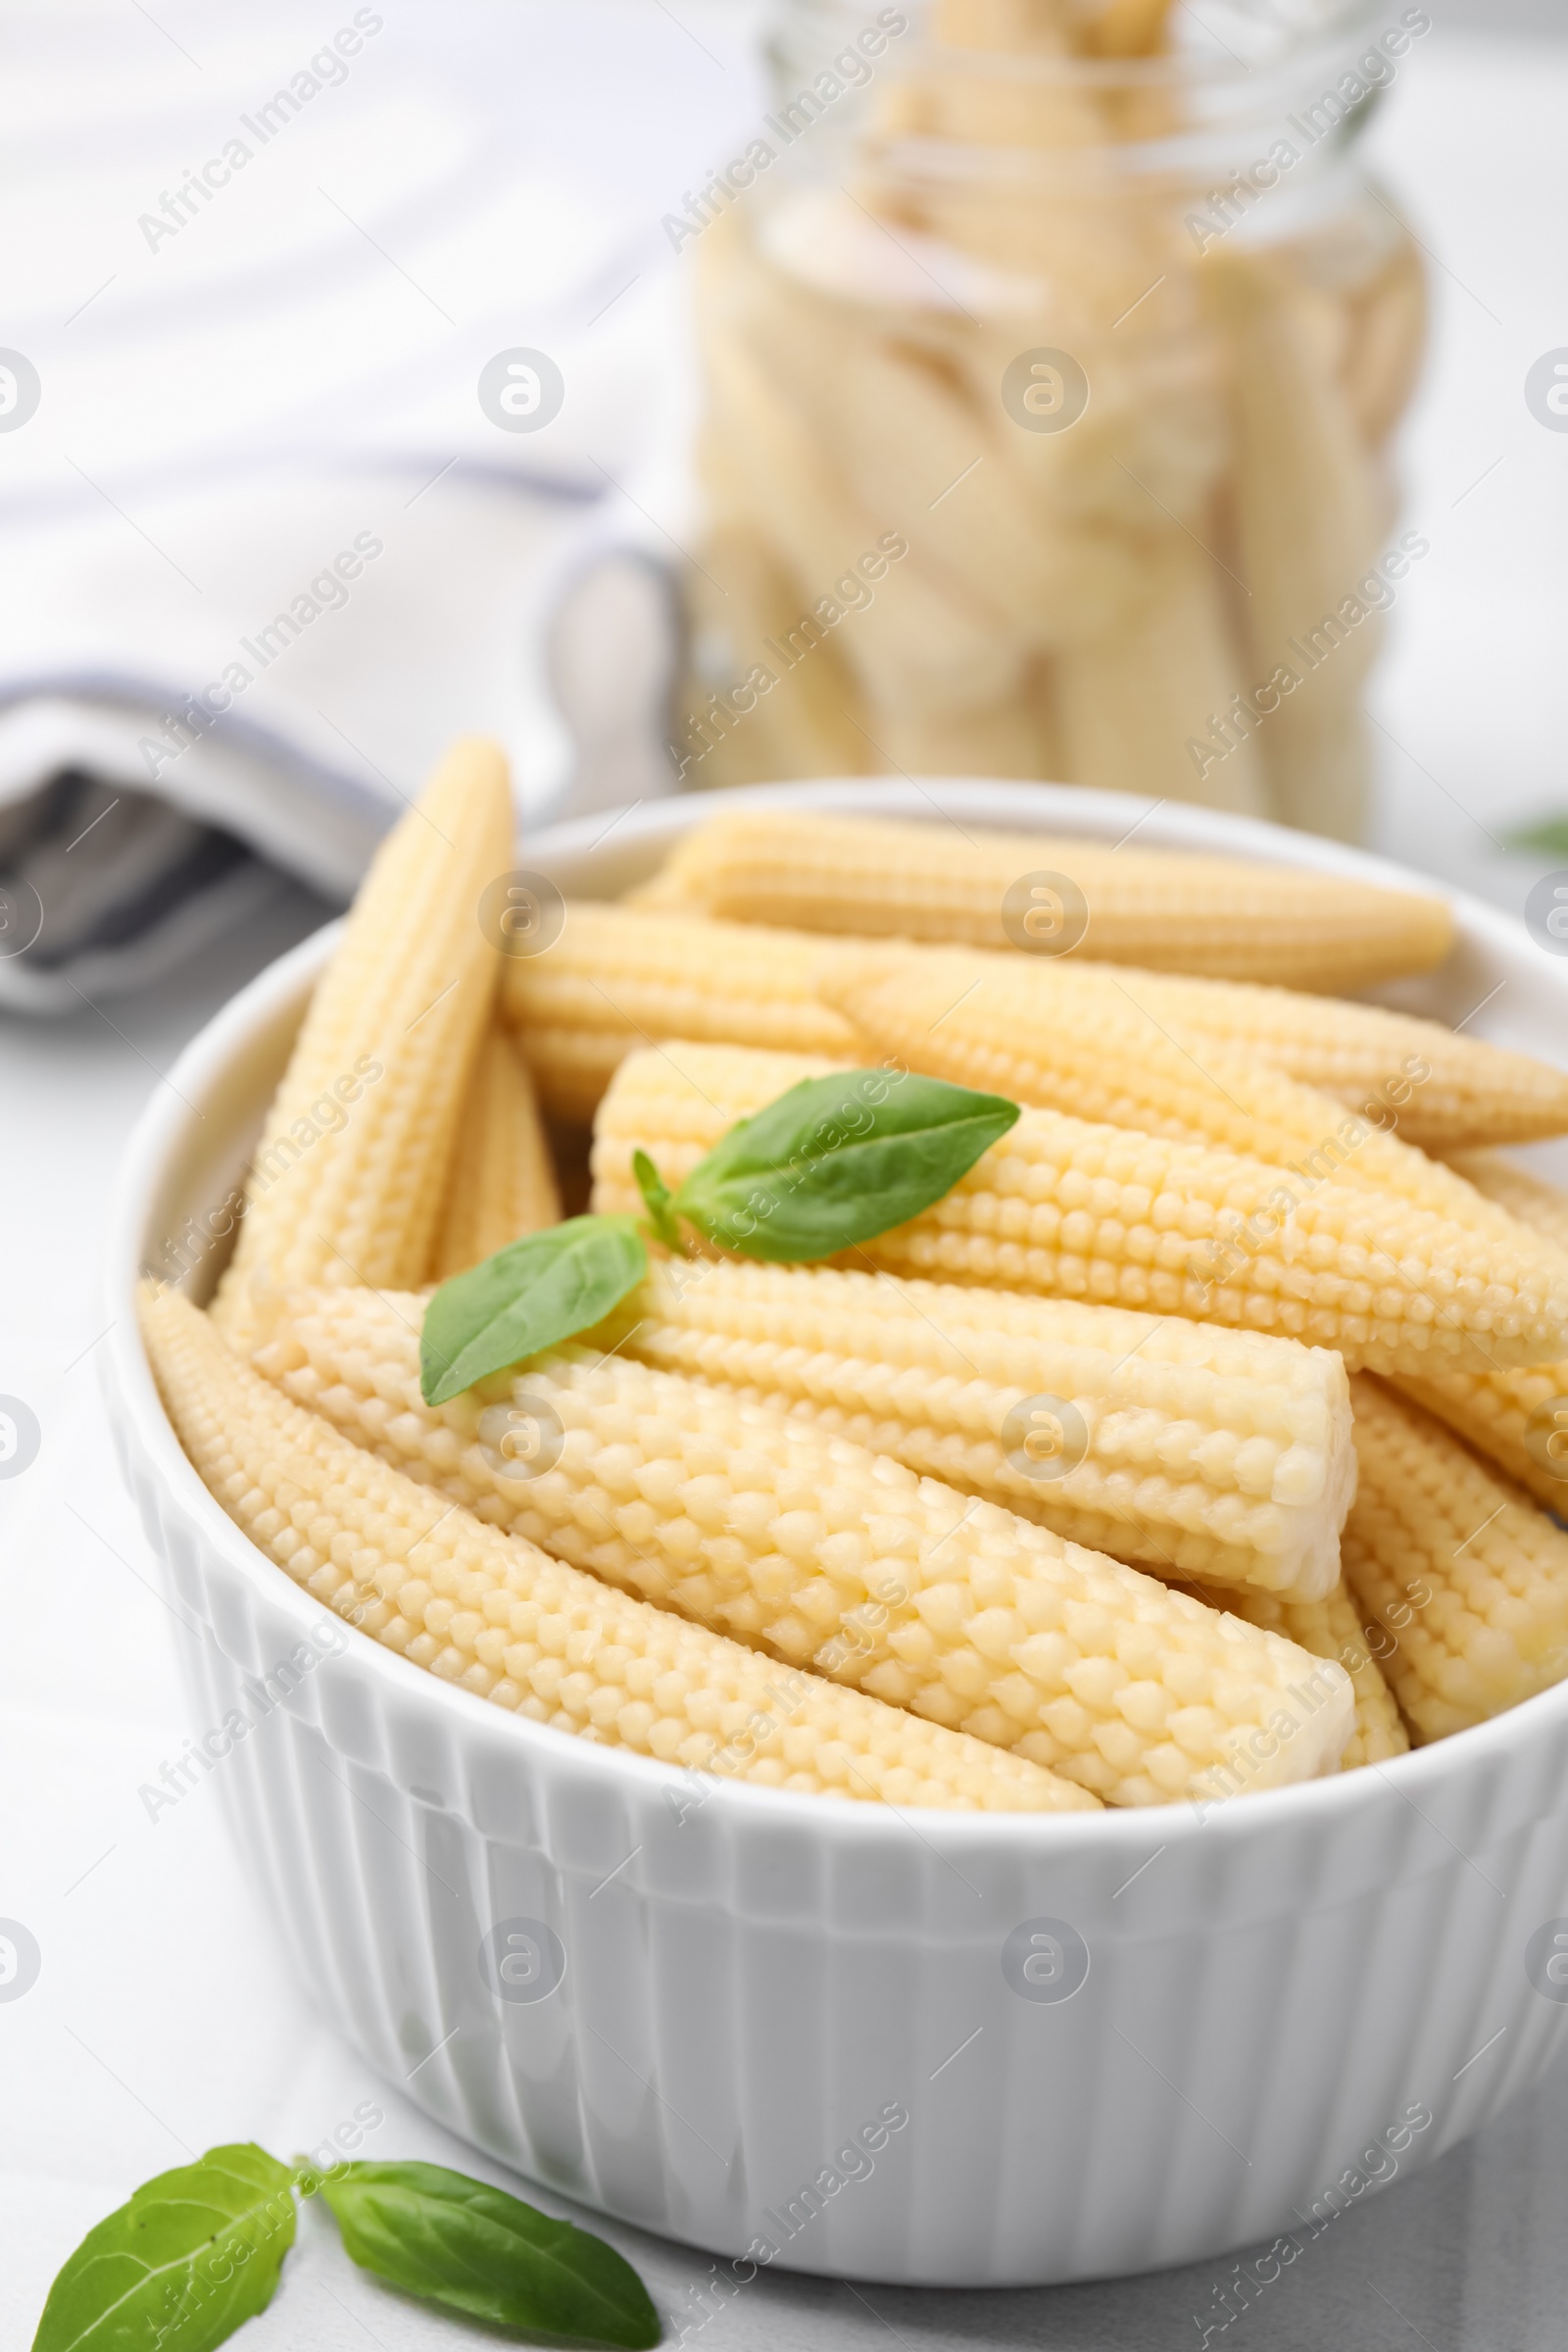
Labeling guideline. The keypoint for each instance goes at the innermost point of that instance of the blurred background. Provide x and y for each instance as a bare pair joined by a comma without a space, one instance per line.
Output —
1024,389
1154,394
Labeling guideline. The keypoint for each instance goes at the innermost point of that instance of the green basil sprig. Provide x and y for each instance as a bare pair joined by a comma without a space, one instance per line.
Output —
834,1161
1546,839
194,2254
198,2251
456,2242
530,1295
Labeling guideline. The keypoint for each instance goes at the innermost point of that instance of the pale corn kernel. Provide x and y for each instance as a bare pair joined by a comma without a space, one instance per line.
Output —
940,1585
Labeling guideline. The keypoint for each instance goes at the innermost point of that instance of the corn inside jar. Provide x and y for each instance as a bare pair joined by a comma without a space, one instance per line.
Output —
1051,352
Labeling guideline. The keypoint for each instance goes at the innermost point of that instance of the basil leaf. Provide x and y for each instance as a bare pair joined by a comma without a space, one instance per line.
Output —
529,1295
657,1198
193,2255
1547,840
474,2248
837,1160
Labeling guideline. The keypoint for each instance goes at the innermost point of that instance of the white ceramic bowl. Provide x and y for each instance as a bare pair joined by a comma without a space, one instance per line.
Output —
754,1992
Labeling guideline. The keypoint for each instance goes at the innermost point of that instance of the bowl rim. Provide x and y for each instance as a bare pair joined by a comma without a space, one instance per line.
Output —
518,1742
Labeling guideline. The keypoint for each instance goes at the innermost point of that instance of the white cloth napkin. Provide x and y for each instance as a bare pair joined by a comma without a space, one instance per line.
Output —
266,551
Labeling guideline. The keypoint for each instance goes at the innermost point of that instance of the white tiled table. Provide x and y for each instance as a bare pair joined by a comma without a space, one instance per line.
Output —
164,2018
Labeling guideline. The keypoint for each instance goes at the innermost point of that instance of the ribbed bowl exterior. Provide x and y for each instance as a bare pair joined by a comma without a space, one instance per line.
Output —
911,2048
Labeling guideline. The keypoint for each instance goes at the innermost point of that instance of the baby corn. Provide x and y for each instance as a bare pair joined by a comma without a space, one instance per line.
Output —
621,975
746,1518
920,642
1070,1209
1527,1197
1127,696
1310,507
1027,574
499,1618
617,977
1194,1452
571,1068
1160,908
1517,1417
1086,1042
1468,1578
1473,1092
736,596
1388,324
348,1179
1331,1628
502,1183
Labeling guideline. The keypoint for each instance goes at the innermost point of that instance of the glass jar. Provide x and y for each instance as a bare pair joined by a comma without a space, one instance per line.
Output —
1047,391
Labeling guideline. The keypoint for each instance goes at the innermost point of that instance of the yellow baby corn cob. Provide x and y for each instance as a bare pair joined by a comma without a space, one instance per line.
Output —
620,977
1529,1197
676,973
1129,28
1009,25
1311,508
502,1184
994,107
831,1556
571,1068
1195,1452
1132,696
917,637
1008,738
1083,1040
1458,1564
1474,1092
1073,263
498,1617
1387,344
348,1179
1171,912
695,1095
1518,1418
945,97
738,595
1117,28
1150,450
1331,1628
914,447
1070,1209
